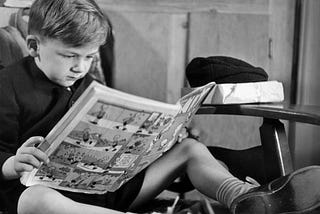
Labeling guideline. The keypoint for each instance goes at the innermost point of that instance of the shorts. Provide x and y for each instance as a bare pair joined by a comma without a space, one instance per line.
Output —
120,200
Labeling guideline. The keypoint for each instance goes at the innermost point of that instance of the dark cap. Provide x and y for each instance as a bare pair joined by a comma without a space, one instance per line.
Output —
222,69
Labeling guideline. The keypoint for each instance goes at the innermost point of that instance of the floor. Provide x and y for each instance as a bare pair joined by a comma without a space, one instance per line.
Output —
193,201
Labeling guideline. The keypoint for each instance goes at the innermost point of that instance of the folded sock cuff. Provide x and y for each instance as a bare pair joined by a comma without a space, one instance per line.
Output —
230,189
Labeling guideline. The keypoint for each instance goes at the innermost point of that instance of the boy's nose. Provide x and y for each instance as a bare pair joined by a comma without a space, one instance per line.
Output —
80,66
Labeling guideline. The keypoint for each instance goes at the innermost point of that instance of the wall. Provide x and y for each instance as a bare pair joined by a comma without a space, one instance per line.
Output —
156,39
307,147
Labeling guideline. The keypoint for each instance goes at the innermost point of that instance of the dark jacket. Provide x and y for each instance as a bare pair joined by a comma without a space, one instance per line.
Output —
30,105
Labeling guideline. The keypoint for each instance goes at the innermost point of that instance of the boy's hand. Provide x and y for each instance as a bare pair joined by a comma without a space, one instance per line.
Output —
188,133
29,157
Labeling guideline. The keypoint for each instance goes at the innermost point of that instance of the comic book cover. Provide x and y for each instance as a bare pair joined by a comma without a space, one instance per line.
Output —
109,136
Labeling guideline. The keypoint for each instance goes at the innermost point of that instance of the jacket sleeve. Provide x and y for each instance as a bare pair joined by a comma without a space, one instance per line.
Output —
9,121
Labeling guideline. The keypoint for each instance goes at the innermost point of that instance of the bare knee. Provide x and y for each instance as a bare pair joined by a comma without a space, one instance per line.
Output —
193,149
35,199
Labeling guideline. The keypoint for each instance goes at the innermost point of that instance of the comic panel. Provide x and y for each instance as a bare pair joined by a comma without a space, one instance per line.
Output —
124,161
113,140
53,173
150,121
174,129
124,128
78,179
106,181
88,135
67,154
102,111
78,157
96,161
167,137
156,124
138,144
132,118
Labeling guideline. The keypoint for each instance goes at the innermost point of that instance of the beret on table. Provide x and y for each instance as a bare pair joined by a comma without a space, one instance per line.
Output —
222,69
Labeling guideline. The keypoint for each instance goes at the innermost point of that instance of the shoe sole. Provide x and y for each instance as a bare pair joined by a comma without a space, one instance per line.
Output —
299,194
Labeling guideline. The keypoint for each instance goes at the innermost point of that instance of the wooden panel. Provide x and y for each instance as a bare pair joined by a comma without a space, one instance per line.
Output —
176,57
243,36
182,6
307,147
150,53
140,52
281,34
239,35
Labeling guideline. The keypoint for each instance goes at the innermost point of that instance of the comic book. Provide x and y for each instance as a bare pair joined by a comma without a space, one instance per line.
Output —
109,136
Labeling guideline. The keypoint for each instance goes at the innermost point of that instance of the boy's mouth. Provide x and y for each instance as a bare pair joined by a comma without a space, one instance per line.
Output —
74,77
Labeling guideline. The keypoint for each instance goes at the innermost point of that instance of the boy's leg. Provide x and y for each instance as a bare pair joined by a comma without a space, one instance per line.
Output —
40,199
205,172
210,178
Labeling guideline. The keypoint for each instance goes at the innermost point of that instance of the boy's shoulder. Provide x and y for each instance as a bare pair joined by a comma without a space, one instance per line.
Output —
17,75
16,68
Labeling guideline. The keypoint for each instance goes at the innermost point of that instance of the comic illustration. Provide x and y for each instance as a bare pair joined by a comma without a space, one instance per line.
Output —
108,137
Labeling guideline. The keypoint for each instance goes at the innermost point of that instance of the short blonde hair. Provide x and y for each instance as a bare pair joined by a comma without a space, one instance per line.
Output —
73,22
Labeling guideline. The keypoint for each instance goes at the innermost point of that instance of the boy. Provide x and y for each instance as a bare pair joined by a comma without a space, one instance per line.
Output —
64,36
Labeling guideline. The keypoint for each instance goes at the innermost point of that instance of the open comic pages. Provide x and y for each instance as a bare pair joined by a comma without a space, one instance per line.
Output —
109,136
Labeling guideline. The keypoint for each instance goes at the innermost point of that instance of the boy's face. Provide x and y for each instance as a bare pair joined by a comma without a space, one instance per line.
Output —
63,64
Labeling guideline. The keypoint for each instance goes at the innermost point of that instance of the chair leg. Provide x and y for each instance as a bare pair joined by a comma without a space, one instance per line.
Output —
275,145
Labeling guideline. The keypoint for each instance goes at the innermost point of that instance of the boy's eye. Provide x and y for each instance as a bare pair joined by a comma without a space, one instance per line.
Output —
90,57
68,56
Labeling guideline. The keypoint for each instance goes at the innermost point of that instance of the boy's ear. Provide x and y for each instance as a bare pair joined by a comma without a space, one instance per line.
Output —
33,45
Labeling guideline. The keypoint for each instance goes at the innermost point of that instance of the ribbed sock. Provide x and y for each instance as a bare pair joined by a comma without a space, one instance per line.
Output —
232,188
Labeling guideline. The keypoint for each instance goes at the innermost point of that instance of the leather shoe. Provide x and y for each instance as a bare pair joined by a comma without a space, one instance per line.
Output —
297,192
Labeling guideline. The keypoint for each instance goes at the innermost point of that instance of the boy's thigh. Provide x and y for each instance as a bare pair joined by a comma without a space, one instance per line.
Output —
118,200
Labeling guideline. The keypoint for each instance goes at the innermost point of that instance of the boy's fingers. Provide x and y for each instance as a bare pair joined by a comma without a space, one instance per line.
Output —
182,135
188,133
24,168
27,159
36,153
194,133
33,141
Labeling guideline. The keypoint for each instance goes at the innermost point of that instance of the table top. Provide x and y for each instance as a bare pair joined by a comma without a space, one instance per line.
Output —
295,113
